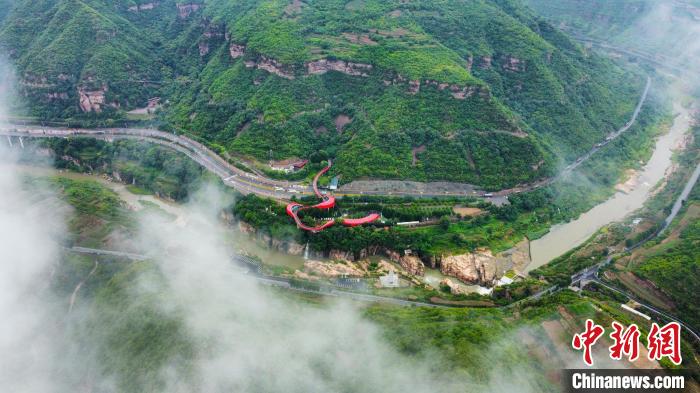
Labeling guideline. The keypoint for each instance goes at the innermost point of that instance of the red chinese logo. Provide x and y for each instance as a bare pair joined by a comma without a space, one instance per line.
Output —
626,342
586,340
665,342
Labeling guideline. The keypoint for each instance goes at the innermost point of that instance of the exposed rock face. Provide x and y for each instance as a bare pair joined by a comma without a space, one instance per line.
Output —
414,86
274,67
486,62
393,255
57,96
236,50
477,268
341,121
413,265
331,269
36,82
324,65
457,91
513,64
289,247
246,228
92,100
184,10
462,92
143,7
338,255
203,48
214,31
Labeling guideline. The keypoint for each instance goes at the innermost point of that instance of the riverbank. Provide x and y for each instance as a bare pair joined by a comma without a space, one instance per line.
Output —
564,237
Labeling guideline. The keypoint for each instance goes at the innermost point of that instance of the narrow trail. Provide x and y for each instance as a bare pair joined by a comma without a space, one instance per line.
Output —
74,296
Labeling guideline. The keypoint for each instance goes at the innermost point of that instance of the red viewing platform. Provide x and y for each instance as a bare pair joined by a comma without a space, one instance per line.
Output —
327,202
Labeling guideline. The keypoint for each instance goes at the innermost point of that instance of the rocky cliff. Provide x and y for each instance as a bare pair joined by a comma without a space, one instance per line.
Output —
475,268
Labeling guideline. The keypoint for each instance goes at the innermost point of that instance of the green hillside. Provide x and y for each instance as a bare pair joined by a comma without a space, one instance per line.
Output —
464,90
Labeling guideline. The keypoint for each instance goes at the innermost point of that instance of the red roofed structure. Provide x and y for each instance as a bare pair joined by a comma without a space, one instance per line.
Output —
300,164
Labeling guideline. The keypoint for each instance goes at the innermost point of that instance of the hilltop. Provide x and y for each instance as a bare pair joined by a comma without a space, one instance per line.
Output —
472,91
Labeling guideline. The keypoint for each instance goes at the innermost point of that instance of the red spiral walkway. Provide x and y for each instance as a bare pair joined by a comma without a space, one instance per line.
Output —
327,202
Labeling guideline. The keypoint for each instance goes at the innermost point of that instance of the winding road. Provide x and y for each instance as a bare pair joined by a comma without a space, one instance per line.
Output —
255,183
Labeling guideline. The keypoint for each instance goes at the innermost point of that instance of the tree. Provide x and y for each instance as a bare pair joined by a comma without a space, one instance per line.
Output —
445,222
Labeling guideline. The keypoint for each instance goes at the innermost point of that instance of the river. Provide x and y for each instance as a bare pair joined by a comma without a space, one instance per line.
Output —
564,237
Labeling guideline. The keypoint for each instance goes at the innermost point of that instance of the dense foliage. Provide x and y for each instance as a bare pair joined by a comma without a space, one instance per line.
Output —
526,94
151,167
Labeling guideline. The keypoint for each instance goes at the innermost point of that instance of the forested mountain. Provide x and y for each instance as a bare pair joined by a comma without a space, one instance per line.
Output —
465,90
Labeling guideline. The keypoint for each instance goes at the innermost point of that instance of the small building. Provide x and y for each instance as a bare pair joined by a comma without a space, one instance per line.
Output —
334,183
289,165
504,281
300,165
390,280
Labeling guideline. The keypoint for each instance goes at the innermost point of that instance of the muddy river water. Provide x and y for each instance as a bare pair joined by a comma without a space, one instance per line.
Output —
563,237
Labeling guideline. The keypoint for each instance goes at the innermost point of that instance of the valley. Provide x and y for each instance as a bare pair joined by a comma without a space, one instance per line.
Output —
347,195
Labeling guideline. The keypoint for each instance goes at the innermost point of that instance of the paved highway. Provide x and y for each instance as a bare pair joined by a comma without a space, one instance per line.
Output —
231,176
247,183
